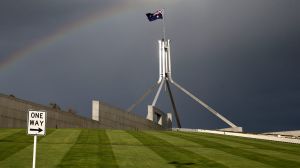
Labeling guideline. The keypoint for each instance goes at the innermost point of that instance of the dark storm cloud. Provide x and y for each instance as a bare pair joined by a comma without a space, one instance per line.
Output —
239,50
241,57
26,22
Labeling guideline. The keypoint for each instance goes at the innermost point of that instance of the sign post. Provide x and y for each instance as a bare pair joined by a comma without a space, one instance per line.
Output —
36,125
34,151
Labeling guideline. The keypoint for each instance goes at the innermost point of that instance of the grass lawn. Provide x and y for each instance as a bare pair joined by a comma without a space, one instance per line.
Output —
119,148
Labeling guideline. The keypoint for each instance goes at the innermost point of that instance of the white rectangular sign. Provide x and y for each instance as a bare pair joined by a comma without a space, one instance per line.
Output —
36,122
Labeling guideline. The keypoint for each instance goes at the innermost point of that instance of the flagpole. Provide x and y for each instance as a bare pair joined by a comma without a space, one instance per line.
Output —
164,26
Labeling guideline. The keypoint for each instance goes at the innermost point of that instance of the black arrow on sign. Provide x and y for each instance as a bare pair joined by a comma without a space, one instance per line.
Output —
39,129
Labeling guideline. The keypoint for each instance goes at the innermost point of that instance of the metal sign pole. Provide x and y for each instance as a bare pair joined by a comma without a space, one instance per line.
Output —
36,125
34,151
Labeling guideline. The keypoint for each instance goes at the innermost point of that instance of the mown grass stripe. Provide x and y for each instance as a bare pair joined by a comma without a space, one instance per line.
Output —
130,152
274,146
48,155
277,154
229,160
262,148
176,156
16,142
107,158
4,132
121,137
62,136
92,149
176,141
80,154
265,159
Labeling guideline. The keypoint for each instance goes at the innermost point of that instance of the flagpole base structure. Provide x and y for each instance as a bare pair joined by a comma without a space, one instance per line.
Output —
165,77
34,151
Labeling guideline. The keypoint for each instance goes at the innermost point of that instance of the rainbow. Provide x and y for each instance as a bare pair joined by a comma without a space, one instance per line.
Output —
61,33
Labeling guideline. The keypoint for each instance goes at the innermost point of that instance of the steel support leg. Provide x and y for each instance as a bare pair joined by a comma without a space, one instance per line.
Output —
173,105
158,92
138,101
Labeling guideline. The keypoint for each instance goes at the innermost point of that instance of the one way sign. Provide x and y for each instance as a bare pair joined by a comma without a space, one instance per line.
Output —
36,122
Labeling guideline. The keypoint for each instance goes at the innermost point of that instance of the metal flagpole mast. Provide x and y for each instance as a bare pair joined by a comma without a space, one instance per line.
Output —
165,76
164,25
161,79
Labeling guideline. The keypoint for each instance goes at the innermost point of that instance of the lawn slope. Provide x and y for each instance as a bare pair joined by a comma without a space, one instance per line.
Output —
119,148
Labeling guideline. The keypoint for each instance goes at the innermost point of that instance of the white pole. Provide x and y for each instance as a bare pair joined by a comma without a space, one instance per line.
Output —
164,26
34,151
169,61
158,92
160,61
163,59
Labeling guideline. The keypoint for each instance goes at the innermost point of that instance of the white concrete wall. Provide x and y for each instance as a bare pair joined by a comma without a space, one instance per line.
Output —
245,135
288,133
95,110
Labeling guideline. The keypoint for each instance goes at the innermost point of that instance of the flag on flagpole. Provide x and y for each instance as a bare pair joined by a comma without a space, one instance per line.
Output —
154,16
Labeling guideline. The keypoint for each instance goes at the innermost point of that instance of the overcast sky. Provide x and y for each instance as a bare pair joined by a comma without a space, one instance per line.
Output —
239,56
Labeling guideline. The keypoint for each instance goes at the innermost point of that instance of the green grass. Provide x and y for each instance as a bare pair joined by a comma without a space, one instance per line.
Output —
118,148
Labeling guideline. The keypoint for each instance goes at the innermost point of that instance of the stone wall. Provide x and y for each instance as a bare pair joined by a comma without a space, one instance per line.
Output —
13,114
112,117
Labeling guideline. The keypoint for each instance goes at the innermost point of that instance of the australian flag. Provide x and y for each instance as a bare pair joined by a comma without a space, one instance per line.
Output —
154,16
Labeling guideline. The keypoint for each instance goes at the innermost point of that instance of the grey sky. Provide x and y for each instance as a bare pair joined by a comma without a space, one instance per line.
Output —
241,57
